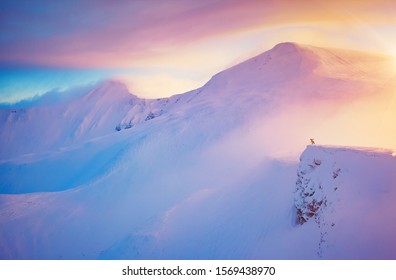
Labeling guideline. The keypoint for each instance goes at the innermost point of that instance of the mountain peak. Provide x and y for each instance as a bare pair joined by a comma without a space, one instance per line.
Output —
283,62
111,89
286,47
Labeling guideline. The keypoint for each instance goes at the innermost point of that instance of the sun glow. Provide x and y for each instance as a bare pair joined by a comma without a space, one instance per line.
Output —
393,54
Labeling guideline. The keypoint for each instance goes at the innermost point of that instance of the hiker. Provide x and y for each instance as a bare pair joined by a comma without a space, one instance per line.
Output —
312,141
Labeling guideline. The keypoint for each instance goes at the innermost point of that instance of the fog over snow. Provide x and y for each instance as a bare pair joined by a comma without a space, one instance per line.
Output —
220,172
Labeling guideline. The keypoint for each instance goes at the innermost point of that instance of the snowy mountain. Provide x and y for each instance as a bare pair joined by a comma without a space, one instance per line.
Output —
211,173
288,78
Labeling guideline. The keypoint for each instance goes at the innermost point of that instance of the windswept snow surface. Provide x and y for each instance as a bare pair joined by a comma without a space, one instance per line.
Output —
208,174
350,195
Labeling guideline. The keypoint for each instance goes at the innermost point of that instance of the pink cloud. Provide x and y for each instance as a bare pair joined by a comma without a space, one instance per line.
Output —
80,35
117,33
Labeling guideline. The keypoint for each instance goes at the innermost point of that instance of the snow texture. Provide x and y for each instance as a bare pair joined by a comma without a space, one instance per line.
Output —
348,193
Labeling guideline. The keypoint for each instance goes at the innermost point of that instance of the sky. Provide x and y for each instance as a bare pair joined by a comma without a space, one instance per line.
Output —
160,48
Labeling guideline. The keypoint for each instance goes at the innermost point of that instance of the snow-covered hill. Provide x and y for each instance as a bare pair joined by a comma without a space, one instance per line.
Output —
193,211
210,173
99,112
350,195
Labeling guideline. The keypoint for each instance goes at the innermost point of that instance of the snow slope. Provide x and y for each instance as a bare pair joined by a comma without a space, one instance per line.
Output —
210,173
96,113
349,194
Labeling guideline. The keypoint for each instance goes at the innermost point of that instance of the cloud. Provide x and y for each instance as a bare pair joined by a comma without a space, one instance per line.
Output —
120,33
53,96
157,85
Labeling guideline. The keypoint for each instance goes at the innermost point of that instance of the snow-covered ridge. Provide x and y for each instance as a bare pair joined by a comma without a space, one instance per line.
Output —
287,74
103,110
290,61
337,189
